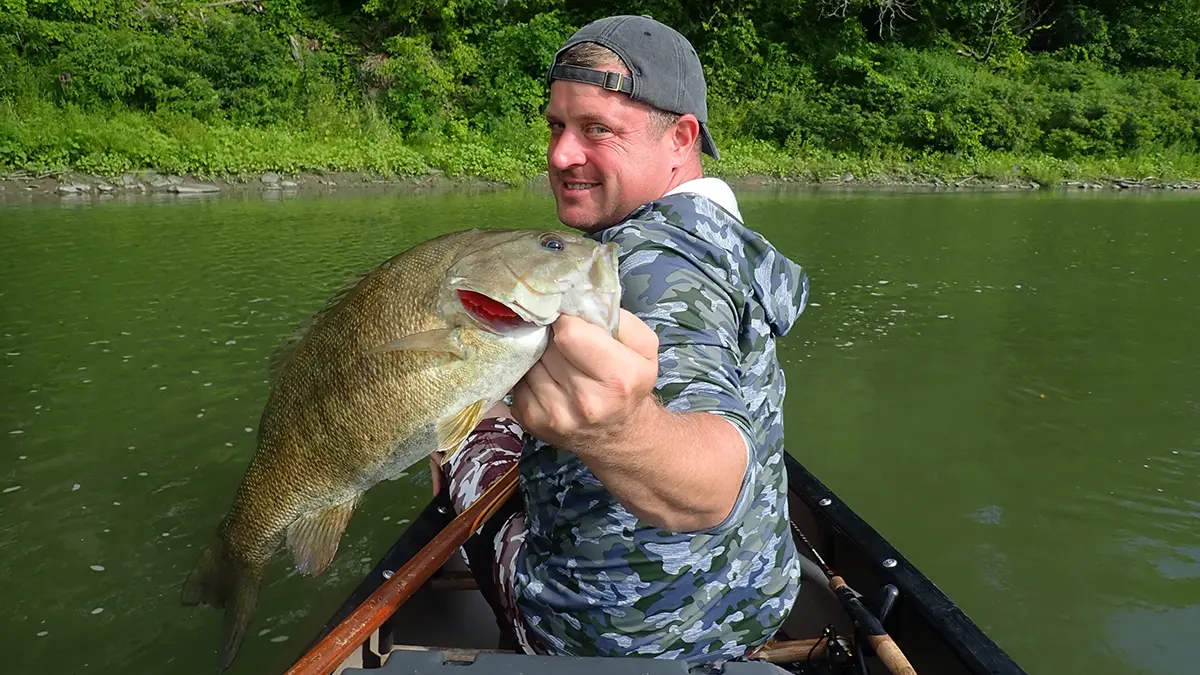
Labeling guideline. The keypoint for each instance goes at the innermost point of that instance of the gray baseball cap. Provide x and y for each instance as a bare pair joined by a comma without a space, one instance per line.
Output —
665,71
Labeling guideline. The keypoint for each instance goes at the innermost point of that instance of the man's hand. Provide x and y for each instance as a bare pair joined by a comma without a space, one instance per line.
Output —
589,390
593,396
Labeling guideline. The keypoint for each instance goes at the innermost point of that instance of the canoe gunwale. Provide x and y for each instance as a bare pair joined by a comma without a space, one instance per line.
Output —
972,646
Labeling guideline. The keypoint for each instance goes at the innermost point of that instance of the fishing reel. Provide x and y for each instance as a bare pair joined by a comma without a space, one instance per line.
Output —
842,655
847,655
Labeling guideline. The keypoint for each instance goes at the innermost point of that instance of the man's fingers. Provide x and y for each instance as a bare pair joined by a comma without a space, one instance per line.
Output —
592,351
588,347
535,396
526,409
558,367
541,384
635,334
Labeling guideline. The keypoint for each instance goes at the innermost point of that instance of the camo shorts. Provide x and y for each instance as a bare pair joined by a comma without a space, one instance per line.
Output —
490,450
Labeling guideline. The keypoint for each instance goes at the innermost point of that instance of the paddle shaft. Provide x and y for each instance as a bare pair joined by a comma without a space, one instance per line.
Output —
356,629
884,646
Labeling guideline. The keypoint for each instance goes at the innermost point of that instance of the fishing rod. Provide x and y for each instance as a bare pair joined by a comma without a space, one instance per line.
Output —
865,622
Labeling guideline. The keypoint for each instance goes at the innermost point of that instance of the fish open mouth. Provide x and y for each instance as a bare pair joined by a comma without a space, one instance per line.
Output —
496,315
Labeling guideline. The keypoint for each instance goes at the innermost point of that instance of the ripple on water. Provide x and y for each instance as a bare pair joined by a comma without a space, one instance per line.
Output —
1157,639
993,514
1173,562
1166,512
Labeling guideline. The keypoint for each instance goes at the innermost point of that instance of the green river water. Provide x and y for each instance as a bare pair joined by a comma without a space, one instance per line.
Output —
1006,386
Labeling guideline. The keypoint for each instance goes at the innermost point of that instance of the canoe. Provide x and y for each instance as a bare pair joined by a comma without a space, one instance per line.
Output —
447,624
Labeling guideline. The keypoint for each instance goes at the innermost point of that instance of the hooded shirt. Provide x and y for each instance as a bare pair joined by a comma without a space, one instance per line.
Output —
592,578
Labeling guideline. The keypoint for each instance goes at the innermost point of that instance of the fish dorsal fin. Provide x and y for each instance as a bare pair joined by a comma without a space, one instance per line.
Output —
453,431
283,352
441,340
313,537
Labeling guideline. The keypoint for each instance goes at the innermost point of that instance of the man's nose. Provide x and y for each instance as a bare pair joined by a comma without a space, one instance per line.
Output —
565,151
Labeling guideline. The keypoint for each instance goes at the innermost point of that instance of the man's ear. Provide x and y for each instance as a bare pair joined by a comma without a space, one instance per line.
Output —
683,139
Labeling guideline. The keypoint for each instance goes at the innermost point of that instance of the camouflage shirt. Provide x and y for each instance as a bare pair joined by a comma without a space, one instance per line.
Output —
593,579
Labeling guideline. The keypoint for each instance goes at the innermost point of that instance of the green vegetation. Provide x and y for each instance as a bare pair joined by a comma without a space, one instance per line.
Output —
1037,89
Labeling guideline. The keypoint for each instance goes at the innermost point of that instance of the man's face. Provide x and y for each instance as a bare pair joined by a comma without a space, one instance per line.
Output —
604,158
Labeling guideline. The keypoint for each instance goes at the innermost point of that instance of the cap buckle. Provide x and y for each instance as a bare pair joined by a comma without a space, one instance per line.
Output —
608,77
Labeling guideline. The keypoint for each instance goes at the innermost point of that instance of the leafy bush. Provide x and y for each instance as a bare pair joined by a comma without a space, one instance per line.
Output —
459,84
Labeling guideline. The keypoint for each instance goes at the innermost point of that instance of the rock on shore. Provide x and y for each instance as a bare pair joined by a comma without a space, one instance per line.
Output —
26,187
23,186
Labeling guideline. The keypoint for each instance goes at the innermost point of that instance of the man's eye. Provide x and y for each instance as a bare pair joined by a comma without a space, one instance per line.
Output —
598,129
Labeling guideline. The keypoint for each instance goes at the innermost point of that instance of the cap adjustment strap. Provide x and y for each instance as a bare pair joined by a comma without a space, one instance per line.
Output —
607,79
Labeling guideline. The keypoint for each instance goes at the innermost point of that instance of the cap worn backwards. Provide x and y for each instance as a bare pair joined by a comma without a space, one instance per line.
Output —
665,71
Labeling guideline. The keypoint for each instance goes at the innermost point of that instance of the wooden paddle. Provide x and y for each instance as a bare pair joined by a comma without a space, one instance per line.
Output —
351,633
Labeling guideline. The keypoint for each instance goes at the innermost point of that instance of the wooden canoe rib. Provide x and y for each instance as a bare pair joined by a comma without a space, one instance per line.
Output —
371,626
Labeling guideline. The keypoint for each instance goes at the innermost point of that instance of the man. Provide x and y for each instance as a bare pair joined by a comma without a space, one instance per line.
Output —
652,517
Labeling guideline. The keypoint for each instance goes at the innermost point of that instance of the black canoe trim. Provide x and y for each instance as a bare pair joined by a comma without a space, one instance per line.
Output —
960,634
958,631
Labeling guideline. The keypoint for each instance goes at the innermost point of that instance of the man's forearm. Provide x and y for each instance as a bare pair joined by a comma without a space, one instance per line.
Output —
680,472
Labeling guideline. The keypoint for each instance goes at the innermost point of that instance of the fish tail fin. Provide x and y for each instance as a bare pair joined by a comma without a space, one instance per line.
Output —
218,581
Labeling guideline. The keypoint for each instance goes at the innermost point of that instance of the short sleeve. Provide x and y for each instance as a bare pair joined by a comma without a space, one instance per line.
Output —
684,302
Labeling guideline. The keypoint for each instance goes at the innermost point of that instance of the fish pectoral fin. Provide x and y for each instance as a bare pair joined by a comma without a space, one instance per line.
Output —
453,431
444,340
313,537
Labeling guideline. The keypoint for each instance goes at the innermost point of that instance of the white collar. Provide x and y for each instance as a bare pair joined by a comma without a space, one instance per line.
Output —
714,189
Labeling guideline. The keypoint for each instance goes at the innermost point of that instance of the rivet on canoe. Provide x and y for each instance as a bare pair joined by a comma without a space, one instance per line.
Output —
825,502
443,510
890,562
387,574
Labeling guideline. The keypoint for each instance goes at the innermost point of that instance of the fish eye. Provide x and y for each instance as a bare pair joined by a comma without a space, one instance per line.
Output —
552,242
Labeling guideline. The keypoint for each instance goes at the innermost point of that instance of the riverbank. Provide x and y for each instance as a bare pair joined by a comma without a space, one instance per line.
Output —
221,96
24,187
55,152
72,186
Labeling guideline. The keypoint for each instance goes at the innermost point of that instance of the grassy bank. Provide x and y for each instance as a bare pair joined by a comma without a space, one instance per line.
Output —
44,139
